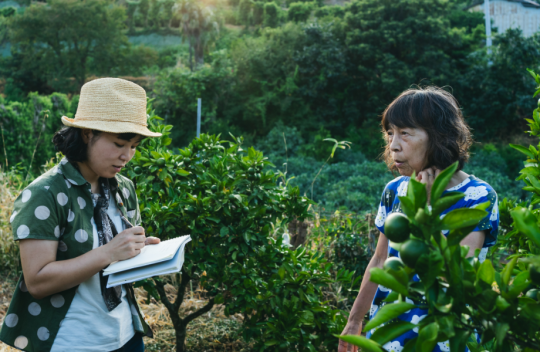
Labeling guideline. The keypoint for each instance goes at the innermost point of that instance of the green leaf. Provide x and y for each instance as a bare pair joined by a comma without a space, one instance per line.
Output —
462,217
523,150
486,272
361,341
441,181
526,223
182,172
520,283
458,342
389,332
456,236
388,312
410,346
500,332
427,338
417,192
381,277
446,201
507,271
407,205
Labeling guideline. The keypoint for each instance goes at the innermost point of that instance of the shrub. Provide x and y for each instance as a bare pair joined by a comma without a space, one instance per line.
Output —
271,14
217,192
300,11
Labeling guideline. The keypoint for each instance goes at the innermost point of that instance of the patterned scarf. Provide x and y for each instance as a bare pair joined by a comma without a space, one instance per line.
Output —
106,232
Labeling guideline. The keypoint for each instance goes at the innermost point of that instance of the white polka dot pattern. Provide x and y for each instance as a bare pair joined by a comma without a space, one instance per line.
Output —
81,236
126,193
13,216
11,320
71,216
57,231
42,212
23,231
57,170
21,342
82,202
64,161
68,184
22,286
43,333
57,301
26,194
62,198
34,309
75,183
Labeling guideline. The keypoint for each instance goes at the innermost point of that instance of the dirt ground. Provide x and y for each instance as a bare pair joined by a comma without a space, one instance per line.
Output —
212,332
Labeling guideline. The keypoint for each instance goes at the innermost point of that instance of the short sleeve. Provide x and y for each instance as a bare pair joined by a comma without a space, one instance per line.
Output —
388,198
489,224
35,214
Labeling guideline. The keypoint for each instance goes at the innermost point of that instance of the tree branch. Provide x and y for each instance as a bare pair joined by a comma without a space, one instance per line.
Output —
200,312
160,287
182,285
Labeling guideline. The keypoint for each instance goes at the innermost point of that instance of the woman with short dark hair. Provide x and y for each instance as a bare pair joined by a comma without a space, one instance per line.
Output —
75,220
425,133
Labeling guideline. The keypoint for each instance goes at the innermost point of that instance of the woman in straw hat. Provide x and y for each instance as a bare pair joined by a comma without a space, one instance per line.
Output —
74,221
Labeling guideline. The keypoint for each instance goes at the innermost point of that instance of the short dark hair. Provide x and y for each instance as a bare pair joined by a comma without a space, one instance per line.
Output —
438,113
69,142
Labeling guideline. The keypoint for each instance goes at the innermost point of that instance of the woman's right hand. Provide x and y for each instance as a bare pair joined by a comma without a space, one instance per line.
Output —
126,244
351,328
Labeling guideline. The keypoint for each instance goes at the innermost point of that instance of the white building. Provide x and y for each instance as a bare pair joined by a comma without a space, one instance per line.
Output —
505,14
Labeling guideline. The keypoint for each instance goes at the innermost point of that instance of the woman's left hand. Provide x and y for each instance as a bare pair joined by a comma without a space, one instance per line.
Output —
151,240
427,177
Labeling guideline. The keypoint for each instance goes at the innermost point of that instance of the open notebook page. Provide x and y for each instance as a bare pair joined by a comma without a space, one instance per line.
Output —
150,254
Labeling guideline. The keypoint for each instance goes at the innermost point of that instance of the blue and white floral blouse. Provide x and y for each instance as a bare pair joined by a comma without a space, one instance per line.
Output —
476,192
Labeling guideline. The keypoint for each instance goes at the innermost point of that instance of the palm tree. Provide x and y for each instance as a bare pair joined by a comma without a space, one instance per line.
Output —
199,25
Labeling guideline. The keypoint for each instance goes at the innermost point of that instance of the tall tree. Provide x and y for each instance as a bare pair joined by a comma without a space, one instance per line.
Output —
70,38
199,24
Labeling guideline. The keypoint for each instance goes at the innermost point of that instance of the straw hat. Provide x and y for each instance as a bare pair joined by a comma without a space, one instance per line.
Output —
112,105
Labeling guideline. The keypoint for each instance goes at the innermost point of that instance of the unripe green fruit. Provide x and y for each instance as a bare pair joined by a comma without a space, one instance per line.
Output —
412,250
532,293
161,162
137,169
393,263
421,216
397,227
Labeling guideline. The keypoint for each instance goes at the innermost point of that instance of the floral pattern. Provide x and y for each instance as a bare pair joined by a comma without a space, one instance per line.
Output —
476,192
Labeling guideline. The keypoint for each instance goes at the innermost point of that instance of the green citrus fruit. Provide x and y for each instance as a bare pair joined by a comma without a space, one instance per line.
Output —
161,162
137,169
421,216
534,273
396,227
393,263
411,251
533,293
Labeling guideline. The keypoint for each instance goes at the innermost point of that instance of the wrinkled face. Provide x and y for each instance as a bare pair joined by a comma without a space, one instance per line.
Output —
108,154
408,147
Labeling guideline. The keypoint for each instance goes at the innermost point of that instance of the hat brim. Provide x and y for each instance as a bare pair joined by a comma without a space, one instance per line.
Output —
110,126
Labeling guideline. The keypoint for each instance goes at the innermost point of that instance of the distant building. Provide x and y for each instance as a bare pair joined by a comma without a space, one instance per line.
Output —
505,14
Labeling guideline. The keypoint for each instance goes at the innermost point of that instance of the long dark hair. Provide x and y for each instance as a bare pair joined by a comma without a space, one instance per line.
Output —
69,142
437,112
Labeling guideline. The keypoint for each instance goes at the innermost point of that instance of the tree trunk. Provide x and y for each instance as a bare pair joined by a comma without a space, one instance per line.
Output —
190,54
179,324
199,52
181,334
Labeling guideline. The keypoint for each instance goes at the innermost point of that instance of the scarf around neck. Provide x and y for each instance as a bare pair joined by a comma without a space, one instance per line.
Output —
106,231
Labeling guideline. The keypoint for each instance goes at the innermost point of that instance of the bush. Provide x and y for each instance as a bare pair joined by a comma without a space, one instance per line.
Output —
333,11
217,192
300,11
271,14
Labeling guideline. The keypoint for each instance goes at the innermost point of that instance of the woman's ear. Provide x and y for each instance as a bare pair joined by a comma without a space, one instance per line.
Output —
86,135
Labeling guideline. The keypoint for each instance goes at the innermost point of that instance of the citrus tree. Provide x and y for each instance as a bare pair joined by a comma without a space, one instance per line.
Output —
217,192
463,297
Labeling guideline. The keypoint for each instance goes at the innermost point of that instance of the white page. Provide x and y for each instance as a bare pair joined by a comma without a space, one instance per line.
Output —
150,254
166,267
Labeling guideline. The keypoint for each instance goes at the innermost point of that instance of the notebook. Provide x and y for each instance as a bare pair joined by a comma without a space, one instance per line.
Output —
154,260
